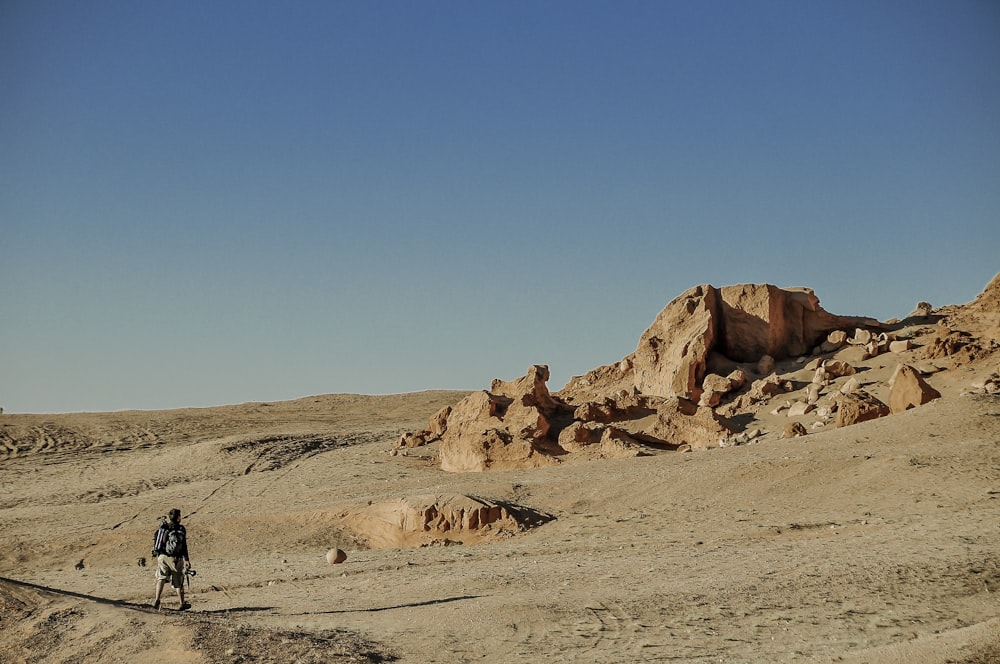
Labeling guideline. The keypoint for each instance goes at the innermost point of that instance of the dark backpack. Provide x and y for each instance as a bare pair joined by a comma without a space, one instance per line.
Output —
172,543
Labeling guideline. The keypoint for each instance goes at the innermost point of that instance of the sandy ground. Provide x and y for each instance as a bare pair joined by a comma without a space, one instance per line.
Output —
873,543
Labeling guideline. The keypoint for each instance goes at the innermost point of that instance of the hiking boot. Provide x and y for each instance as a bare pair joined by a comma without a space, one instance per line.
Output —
184,607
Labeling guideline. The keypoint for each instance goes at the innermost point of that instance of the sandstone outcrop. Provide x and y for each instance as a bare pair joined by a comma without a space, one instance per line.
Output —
743,323
700,375
519,424
437,519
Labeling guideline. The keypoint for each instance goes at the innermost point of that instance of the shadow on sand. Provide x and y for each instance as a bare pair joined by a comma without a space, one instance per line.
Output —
135,606
429,602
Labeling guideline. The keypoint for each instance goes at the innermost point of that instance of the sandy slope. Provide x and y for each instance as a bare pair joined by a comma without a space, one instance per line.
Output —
874,543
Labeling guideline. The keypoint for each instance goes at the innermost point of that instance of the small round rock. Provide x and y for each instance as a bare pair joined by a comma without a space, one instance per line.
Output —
335,556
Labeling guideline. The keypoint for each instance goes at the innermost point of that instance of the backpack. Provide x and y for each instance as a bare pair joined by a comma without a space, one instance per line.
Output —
172,542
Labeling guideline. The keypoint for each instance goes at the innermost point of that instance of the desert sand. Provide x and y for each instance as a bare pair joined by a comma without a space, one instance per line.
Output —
875,542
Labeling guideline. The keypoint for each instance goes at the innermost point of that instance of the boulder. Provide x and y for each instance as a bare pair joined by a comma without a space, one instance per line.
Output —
862,337
714,387
765,365
838,368
737,379
794,430
852,354
859,406
834,341
909,390
825,411
851,385
799,408
765,388
760,391
922,310
335,556
821,377
900,346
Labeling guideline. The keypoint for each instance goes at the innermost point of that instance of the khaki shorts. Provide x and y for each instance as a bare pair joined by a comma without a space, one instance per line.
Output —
170,568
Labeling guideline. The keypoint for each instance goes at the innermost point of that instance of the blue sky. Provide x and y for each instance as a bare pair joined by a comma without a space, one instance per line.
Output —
205,203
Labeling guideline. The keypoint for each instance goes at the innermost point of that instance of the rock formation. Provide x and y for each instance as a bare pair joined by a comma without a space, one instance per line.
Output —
437,519
709,363
507,427
743,323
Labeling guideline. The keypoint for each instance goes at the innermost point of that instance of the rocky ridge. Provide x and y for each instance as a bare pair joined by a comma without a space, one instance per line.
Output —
707,373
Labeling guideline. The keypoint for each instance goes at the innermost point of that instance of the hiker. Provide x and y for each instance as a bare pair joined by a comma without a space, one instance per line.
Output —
170,549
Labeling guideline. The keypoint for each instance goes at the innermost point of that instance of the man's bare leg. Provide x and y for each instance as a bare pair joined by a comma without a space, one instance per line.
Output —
159,591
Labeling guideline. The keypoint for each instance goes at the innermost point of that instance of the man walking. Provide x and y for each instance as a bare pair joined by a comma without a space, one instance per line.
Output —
171,553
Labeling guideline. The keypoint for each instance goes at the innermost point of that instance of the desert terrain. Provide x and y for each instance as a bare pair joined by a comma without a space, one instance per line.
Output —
873,542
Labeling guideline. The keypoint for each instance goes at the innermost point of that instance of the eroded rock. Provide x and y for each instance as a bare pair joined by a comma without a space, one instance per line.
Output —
909,390
743,323
431,518
859,406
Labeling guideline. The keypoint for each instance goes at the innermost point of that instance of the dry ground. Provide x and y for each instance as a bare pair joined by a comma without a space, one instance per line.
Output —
874,543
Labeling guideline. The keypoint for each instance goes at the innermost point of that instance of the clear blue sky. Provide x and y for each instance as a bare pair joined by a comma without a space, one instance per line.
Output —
215,202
